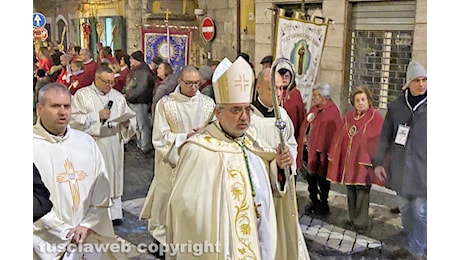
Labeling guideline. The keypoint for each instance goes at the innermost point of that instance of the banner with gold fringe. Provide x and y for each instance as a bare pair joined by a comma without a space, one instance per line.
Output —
301,41
155,43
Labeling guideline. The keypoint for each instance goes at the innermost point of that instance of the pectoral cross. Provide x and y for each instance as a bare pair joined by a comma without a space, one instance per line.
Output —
301,53
256,206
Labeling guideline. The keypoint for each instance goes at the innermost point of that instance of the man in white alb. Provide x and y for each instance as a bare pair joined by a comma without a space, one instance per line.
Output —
73,170
177,117
103,113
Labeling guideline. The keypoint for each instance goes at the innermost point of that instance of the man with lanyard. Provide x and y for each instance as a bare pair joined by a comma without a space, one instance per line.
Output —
401,156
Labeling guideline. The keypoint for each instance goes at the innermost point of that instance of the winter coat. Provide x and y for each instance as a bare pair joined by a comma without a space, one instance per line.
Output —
407,171
139,85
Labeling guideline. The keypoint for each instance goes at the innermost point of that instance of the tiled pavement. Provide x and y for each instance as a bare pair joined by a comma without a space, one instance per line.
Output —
327,237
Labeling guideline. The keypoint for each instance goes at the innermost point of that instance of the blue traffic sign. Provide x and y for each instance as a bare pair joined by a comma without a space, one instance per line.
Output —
39,20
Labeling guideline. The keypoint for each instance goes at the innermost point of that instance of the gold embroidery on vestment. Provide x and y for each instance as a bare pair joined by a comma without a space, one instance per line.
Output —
242,218
72,177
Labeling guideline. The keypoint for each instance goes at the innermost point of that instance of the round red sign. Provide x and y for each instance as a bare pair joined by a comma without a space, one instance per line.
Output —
41,33
207,29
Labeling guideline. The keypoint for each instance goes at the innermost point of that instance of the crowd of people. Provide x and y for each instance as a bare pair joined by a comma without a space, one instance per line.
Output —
89,107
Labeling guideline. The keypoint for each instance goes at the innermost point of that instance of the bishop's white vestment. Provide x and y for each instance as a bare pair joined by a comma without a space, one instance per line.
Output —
212,202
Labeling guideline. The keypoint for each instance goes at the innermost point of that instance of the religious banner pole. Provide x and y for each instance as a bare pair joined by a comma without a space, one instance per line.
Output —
114,30
167,12
61,45
99,31
279,122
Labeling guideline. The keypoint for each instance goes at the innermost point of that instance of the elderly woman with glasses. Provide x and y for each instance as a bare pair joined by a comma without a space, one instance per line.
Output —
350,156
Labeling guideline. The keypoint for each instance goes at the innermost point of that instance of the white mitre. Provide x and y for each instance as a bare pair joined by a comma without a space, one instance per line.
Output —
233,82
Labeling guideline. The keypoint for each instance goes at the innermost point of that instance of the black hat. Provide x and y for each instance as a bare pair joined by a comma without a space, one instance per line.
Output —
157,60
41,73
244,55
267,59
138,55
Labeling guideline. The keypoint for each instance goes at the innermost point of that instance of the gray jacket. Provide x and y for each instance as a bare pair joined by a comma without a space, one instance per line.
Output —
167,86
139,85
406,166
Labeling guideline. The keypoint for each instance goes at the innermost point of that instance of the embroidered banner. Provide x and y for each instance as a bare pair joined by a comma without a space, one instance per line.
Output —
155,43
302,43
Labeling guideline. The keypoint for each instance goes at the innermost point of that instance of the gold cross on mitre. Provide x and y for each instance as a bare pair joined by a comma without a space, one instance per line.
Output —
233,82
71,176
242,82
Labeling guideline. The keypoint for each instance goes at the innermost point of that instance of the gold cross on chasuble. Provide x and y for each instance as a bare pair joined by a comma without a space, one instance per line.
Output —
72,177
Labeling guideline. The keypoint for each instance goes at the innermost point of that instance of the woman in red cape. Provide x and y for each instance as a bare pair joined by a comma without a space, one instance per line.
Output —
324,121
350,155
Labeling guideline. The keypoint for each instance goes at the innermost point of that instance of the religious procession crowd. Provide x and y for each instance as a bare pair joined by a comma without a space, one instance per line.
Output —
224,172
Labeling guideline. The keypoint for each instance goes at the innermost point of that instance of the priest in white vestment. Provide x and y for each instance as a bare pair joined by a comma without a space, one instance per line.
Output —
111,126
177,116
222,202
73,170
263,122
264,118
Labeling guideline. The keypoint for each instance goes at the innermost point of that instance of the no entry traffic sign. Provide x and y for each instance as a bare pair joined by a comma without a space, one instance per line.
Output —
40,34
208,29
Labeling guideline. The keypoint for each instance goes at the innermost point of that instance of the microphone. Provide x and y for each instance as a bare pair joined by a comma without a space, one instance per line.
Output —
108,106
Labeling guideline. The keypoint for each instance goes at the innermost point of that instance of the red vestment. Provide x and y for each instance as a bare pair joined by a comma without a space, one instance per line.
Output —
62,78
293,103
79,81
120,79
326,122
352,149
45,64
90,68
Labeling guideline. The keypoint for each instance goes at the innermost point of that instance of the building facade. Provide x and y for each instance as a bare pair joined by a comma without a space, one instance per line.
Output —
367,43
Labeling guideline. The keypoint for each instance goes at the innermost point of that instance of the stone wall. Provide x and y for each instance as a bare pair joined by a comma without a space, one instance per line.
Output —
223,12
420,50
334,63
332,67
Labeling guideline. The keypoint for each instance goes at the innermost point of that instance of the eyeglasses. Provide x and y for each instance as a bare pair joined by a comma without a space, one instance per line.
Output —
107,82
191,83
238,111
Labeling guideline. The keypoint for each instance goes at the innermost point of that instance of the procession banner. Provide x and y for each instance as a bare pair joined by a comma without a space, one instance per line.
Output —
155,43
301,42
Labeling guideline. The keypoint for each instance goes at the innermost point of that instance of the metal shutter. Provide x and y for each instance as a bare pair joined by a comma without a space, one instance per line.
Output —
383,16
381,47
